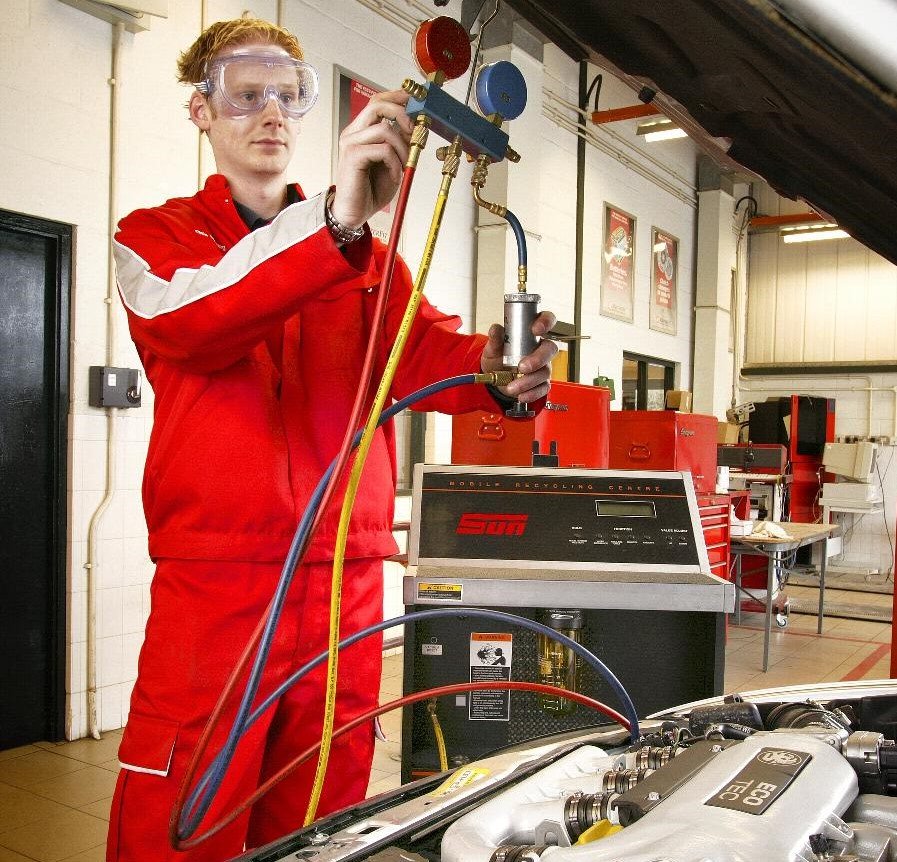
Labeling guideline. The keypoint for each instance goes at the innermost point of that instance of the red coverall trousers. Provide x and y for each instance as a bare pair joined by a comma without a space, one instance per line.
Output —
203,613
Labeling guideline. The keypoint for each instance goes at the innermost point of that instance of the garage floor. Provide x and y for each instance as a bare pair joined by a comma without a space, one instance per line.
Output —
54,798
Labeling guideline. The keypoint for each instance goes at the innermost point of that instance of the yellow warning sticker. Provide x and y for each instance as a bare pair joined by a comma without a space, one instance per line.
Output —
459,780
439,592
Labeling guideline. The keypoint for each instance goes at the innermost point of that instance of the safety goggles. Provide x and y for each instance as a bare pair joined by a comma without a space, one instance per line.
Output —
244,83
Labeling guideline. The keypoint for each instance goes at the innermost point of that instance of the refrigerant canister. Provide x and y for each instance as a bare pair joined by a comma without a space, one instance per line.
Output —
521,310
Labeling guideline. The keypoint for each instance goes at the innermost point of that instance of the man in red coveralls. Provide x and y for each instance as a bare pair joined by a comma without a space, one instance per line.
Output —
250,306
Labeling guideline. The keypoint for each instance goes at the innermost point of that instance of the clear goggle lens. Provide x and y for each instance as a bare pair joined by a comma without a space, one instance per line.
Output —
246,82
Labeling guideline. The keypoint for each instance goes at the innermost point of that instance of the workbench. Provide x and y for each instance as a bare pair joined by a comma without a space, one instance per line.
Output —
775,551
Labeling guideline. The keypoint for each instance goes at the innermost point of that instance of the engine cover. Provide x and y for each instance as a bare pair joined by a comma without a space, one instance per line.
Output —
759,799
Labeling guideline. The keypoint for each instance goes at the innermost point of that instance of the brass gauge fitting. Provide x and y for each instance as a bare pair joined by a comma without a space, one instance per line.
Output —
418,140
415,90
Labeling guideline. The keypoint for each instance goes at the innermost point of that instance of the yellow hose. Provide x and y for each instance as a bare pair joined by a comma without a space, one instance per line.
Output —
449,170
437,732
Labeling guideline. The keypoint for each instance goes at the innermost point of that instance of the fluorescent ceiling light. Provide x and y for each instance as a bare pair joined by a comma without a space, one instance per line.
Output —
660,130
660,246
813,233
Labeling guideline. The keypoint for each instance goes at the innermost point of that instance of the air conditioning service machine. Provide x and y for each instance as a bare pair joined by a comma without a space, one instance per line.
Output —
614,559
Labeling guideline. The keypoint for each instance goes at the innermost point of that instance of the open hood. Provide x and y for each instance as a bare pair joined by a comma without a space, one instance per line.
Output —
805,90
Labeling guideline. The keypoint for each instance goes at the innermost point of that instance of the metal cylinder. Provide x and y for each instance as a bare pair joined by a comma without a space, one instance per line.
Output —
621,780
521,310
518,852
582,811
653,757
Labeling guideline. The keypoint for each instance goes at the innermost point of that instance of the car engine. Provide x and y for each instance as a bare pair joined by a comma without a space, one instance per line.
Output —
731,780
732,792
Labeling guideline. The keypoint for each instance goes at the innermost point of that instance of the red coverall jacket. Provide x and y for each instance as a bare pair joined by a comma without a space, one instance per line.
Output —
253,344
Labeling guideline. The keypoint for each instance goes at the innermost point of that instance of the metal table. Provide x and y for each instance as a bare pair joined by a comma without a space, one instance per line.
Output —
775,551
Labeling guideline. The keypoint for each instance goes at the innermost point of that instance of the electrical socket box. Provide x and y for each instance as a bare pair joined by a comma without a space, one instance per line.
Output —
113,387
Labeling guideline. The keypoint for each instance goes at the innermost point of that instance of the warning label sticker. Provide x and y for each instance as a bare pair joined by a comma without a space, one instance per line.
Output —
491,655
459,780
439,592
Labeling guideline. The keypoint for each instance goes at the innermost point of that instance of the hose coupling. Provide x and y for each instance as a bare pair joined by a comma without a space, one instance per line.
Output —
419,136
452,159
421,131
512,155
521,278
496,378
480,172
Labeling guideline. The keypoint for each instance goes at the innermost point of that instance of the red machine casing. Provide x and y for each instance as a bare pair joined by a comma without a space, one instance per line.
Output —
575,417
818,415
665,440
807,483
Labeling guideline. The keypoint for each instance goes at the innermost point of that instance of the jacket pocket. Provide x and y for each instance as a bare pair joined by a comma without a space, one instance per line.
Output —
147,744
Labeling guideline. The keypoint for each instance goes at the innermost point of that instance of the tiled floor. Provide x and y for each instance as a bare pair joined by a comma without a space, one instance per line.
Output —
54,799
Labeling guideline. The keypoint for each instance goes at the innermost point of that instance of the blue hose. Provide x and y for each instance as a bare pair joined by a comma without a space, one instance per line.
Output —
461,612
519,235
198,803
200,799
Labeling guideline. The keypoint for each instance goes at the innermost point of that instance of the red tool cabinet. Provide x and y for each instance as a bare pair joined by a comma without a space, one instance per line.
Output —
665,440
574,417
714,512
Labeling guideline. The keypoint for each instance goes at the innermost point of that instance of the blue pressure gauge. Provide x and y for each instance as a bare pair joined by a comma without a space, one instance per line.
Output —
501,90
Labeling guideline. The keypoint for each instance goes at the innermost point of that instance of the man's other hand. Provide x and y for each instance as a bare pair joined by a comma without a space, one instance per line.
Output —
535,368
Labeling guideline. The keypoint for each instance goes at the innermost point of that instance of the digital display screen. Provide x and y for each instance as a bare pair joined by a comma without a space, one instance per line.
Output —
625,509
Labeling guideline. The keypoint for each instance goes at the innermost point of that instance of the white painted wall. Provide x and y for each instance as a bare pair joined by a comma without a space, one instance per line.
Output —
869,539
829,302
55,65
611,178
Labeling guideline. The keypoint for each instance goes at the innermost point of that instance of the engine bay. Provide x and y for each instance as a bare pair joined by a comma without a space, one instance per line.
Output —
806,774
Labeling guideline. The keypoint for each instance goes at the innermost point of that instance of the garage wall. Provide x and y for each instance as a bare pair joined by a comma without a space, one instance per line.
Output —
864,408
829,302
634,176
55,63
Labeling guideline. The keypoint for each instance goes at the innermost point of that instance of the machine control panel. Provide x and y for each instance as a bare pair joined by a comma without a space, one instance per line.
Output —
567,516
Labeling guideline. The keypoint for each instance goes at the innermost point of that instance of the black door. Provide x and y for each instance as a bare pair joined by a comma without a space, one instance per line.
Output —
35,260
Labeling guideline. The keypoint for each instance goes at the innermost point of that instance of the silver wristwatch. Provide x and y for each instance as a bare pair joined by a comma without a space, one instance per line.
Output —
340,232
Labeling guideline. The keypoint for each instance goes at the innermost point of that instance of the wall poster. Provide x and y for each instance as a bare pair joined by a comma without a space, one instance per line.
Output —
617,270
664,276
353,94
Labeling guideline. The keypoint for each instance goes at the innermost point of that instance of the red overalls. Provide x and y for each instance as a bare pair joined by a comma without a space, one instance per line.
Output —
253,344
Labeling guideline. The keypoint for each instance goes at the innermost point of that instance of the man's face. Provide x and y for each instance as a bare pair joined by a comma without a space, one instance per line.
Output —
249,143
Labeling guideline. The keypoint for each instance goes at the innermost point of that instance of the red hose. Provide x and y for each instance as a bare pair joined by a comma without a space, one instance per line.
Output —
439,691
343,456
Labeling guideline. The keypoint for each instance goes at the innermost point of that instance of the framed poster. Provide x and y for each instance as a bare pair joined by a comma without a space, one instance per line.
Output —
664,275
353,94
617,269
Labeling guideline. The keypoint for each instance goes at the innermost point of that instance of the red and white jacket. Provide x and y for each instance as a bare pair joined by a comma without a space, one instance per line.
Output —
253,344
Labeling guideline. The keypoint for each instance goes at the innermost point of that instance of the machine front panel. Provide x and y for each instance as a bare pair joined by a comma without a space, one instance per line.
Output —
560,517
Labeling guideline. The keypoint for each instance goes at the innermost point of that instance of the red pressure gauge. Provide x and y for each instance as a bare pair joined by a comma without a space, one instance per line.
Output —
442,45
